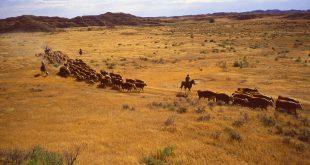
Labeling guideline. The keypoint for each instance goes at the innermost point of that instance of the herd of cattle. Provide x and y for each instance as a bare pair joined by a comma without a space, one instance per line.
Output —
82,72
54,57
252,98
246,97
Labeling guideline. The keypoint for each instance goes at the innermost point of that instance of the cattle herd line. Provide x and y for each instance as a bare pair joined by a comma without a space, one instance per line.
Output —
246,97
252,98
82,72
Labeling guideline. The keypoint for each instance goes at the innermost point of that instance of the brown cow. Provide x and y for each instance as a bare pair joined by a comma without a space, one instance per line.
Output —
139,81
247,90
287,99
103,72
64,71
257,102
263,96
140,85
105,83
222,97
128,86
242,96
130,80
117,82
240,101
206,94
288,106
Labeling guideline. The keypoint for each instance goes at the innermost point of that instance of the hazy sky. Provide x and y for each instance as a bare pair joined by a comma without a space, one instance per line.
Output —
72,8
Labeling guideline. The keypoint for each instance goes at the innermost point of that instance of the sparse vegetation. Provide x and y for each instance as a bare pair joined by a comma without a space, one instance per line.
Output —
160,157
241,63
204,118
267,120
118,126
211,20
127,107
37,156
232,134
242,120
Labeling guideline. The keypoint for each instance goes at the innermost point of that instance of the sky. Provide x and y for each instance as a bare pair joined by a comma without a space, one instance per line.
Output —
146,8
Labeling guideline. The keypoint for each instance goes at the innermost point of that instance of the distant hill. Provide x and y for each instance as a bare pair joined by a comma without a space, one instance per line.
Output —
293,14
29,23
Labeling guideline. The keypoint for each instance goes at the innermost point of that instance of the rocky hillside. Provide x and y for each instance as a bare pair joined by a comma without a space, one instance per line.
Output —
29,23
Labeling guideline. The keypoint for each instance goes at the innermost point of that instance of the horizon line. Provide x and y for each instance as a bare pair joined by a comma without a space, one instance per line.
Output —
234,12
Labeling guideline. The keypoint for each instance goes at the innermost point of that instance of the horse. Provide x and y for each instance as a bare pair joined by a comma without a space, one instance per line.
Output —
187,85
43,69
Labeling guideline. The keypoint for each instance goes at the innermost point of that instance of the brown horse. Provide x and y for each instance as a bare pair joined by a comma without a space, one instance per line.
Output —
187,85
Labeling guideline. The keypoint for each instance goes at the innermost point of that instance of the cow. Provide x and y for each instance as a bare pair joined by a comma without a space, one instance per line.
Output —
263,96
289,106
242,96
105,83
257,102
240,101
114,75
206,94
140,85
222,97
104,73
247,90
139,81
130,80
287,99
128,86
117,82
64,71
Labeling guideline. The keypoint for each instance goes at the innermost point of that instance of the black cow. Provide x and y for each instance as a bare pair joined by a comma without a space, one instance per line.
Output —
206,94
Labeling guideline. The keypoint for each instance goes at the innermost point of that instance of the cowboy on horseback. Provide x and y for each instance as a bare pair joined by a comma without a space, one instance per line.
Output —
43,68
187,79
187,84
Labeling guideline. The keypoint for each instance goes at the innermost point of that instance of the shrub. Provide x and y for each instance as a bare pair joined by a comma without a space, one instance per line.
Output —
204,118
211,20
127,107
222,64
182,110
241,63
298,59
233,135
304,135
200,109
279,129
242,120
286,140
211,105
192,35
267,120
110,65
40,156
12,156
159,157
300,147
170,121
70,156
216,135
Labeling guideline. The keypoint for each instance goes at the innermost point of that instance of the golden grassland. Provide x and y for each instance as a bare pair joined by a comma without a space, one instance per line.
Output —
57,113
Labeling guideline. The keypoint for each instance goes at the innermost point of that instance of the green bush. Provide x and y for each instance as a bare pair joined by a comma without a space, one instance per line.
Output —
40,156
159,157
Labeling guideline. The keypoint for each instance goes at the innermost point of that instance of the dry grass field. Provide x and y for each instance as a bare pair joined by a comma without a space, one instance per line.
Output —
113,127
